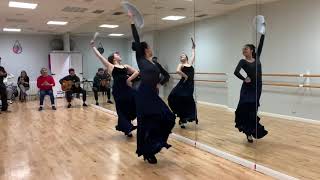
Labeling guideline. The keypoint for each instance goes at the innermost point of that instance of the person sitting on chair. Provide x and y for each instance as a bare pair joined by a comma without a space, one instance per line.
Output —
45,83
71,84
101,83
11,89
3,89
24,86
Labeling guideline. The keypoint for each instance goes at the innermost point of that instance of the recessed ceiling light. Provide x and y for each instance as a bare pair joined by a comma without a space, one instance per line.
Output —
116,35
173,18
15,4
60,23
109,26
11,30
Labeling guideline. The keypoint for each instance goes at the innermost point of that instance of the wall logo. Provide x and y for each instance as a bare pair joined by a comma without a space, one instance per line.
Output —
17,48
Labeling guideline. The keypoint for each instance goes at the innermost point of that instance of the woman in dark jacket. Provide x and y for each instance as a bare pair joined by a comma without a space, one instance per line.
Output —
23,84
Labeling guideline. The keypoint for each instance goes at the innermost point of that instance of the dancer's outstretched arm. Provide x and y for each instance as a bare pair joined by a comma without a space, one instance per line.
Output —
102,59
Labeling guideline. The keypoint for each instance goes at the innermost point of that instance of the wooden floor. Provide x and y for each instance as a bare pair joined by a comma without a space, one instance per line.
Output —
81,143
291,147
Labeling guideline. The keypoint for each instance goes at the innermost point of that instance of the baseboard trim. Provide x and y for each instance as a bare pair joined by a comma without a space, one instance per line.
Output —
286,117
290,118
212,104
219,153
104,110
183,139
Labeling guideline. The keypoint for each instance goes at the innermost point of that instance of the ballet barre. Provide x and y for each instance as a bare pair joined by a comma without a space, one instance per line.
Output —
221,74
293,75
290,85
209,81
204,73
268,74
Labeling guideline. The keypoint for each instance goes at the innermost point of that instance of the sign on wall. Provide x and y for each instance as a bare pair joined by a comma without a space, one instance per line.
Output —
17,48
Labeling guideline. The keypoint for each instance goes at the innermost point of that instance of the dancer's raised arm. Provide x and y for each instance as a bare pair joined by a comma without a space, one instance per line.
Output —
102,59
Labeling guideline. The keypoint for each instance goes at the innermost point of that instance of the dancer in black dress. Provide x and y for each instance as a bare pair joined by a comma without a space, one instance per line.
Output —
121,90
246,118
181,99
164,75
155,120
3,89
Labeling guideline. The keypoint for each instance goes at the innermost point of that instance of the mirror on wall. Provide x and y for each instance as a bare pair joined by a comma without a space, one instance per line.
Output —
290,96
221,38
286,72
176,45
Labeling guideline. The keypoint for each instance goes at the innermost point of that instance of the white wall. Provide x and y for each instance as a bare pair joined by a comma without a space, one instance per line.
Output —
291,46
34,56
37,47
219,41
90,62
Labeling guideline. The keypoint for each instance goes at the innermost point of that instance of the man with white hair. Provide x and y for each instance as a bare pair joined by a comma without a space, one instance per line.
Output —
45,83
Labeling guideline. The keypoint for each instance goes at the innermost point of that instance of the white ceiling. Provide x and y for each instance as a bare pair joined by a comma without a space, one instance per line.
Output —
85,23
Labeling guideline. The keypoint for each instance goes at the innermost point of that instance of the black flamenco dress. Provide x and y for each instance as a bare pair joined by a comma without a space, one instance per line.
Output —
124,100
246,118
181,99
155,120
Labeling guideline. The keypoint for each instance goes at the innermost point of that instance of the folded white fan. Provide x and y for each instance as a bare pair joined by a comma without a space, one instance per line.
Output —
259,24
137,16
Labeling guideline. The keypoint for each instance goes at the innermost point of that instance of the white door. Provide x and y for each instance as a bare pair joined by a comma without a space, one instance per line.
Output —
60,64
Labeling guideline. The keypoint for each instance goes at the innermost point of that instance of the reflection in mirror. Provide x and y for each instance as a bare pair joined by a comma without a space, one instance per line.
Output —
221,30
289,87
290,96
220,39
176,48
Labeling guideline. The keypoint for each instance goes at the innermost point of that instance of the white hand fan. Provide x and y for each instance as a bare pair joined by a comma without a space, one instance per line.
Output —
137,16
259,24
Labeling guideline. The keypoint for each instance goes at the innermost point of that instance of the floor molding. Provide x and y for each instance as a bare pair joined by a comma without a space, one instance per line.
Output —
104,110
286,117
219,153
291,118
212,104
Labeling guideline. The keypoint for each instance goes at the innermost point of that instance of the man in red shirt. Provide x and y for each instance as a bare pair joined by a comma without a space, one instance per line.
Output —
45,83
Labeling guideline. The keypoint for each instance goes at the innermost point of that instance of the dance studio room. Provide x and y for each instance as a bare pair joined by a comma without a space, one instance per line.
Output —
159,89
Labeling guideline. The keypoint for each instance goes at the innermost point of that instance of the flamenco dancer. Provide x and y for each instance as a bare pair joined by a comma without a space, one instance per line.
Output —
164,75
246,118
155,120
181,99
121,90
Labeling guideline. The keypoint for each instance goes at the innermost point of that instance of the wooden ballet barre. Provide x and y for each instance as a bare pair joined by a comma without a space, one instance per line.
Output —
220,74
292,75
210,81
290,85
311,75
